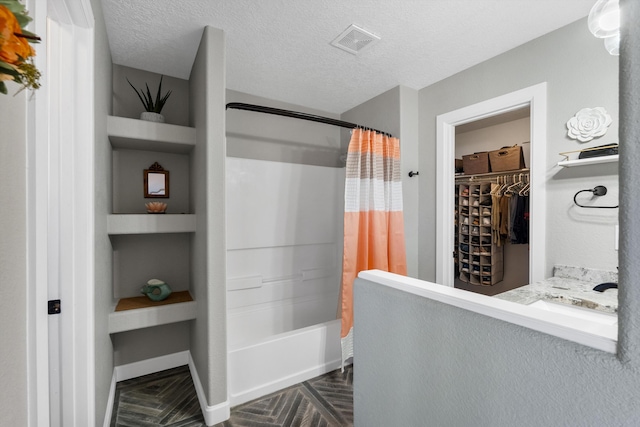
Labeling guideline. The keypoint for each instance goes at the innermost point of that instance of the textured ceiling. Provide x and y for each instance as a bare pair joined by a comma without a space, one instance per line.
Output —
280,49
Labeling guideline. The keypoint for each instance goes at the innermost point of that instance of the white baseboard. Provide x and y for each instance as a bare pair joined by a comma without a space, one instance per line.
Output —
149,366
112,395
212,414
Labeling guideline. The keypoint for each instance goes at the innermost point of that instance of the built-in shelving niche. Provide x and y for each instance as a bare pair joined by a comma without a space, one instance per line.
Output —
147,246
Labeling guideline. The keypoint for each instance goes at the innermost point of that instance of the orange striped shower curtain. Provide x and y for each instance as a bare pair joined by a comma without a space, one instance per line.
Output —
373,221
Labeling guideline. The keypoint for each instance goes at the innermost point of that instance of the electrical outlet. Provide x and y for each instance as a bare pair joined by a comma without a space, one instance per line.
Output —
616,244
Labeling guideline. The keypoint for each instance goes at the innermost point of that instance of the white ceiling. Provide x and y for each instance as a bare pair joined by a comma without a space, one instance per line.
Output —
280,49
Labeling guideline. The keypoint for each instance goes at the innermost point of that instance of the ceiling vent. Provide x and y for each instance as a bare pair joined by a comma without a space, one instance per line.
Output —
354,39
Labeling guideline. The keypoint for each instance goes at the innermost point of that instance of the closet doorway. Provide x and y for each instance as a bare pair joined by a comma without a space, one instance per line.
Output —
491,235
532,98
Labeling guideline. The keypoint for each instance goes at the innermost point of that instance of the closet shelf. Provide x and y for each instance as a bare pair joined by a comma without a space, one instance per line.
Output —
150,223
151,313
142,135
589,161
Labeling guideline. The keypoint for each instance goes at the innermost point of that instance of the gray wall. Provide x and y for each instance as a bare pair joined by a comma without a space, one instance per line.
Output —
580,73
419,362
396,112
128,180
252,135
629,293
142,344
103,292
207,97
140,257
451,367
127,104
13,258
381,112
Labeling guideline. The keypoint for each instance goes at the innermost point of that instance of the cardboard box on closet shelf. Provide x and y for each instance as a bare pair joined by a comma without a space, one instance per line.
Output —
476,163
506,159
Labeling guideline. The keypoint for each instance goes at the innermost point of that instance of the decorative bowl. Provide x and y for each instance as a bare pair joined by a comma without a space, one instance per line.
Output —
156,207
156,290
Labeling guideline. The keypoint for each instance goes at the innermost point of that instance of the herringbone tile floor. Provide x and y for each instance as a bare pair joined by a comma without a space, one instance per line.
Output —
168,398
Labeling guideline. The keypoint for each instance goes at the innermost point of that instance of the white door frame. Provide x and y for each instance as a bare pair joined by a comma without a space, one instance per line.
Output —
536,98
60,208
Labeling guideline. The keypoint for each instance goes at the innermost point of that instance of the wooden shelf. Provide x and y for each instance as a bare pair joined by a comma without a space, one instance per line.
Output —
142,135
150,223
589,161
152,313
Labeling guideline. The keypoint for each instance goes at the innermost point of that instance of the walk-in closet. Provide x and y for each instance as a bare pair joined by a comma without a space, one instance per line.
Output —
491,203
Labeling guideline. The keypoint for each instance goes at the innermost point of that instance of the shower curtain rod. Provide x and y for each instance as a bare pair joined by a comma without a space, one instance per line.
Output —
299,115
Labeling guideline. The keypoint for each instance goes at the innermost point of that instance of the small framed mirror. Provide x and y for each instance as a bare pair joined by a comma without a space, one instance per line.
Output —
156,182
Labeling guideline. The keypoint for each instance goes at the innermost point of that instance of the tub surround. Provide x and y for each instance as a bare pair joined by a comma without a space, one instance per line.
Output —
569,285
282,360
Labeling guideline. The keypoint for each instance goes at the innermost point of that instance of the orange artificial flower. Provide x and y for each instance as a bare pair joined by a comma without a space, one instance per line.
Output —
13,49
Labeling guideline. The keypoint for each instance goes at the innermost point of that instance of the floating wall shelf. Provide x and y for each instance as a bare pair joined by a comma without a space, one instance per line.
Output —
129,320
142,135
589,161
150,223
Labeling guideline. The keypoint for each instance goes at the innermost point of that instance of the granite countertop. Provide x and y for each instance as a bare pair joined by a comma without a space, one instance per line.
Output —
570,285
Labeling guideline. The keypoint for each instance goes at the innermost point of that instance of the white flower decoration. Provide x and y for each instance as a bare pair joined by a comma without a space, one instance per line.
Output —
588,123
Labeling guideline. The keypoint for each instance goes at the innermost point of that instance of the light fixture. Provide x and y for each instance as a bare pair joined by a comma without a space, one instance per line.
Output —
612,44
604,23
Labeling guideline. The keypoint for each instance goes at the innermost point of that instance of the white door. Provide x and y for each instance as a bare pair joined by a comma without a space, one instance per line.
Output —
536,98
60,206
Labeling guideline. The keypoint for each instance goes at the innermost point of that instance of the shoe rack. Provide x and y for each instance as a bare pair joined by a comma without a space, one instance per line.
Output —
456,242
480,260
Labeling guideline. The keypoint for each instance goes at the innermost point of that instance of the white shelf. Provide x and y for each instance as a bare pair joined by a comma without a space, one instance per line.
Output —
150,223
129,320
589,161
142,135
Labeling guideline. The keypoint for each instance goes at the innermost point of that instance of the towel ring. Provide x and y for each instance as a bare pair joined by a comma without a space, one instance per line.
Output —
598,190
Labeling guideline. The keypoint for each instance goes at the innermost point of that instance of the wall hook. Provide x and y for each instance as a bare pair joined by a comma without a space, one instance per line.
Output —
412,173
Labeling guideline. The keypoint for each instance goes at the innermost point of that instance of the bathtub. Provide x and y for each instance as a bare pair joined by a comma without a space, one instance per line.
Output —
282,360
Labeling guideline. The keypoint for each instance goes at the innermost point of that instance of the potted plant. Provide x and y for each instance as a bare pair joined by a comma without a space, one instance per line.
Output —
152,107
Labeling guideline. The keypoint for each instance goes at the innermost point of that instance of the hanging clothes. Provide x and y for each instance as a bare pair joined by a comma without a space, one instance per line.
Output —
512,217
520,227
495,212
373,218
499,215
503,226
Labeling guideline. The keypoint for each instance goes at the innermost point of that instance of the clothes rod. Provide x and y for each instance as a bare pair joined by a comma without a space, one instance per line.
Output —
491,175
299,115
